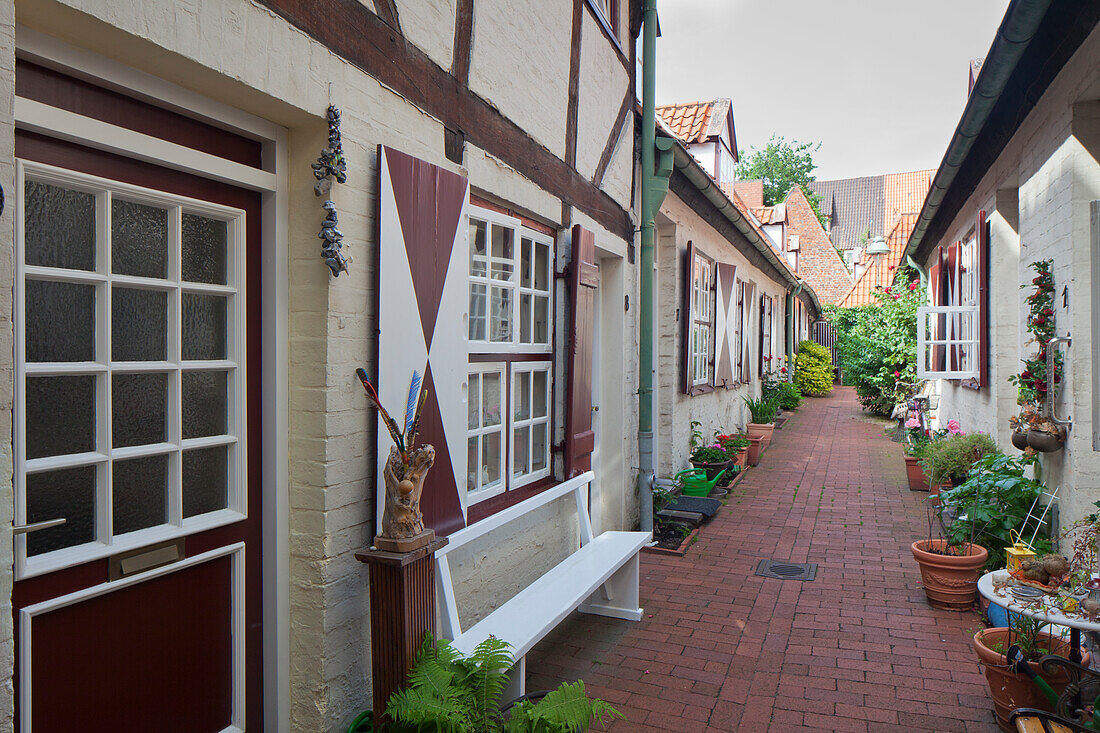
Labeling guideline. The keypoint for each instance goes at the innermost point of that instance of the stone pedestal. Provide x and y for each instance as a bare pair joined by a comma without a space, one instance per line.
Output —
402,610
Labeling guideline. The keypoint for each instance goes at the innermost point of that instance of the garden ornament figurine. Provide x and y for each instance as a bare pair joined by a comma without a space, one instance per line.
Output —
404,473
331,166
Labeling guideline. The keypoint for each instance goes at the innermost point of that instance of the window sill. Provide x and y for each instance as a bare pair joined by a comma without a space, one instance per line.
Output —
490,506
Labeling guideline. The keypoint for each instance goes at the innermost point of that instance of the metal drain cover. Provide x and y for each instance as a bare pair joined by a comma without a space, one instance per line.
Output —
786,570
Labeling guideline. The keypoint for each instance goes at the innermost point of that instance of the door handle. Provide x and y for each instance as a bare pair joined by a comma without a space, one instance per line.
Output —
35,526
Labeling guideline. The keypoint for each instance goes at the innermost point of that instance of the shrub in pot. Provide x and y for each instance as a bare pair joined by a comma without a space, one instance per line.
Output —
763,414
711,458
950,458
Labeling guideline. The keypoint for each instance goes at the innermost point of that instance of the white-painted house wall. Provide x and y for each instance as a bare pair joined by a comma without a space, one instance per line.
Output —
1049,175
7,274
245,56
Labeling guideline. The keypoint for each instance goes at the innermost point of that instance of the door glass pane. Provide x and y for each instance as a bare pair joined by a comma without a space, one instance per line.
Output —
490,459
205,403
490,399
60,321
139,493
204,326
70,494
59,227
538,394
205,480
538,447
139,405
139,325
205,249
139,239
520,438
61,415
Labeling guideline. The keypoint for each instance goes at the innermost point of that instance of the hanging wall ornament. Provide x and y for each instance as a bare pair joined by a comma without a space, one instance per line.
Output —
331,166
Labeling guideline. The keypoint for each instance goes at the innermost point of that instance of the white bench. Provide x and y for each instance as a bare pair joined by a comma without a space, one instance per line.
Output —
601,577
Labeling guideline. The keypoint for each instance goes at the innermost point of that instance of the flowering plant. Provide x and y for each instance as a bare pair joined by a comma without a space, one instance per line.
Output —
1031,383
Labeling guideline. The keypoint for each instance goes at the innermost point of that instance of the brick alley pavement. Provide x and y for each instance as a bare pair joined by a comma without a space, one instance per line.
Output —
857,649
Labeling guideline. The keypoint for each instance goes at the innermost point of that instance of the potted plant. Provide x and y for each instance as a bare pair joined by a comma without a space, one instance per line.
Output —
916,440
736,447
1033,383
949,566
1009,689
762,412
447,691
948,458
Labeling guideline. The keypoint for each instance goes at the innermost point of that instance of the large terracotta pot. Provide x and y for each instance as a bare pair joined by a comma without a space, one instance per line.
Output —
1010,690
761,430
950,581
754,449
743,457
913,471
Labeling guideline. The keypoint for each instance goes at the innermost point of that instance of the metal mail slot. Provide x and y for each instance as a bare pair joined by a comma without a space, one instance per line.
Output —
138,561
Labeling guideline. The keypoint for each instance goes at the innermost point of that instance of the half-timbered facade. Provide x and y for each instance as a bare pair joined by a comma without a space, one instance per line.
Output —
181,364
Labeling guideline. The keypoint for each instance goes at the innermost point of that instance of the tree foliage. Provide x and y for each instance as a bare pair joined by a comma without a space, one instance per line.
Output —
813,369
781,165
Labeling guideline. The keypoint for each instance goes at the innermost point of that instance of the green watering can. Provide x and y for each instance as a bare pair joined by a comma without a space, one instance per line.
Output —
695,482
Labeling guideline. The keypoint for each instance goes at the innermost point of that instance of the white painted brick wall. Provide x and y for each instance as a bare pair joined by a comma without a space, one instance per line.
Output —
7,271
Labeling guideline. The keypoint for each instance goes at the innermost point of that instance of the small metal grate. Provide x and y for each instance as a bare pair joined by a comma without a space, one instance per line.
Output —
786,570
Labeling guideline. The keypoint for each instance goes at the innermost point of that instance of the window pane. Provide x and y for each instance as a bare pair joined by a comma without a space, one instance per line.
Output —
204,326
58,227
139,325
542,266
205,480
60,321
522,396
525,319
473,401
478,251
205,403
520,438
490,399
473,467
542,319
70,494
538,447
503,255
139,239
205,249
139,493
538,392
525,262
139,408
490,459
500,315
61,415
477,312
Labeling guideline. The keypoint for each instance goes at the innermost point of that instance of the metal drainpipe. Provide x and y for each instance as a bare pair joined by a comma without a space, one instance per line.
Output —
646,474
791,295
920,271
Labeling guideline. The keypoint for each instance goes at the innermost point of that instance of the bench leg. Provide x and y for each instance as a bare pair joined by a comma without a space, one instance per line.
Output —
516,685
618,597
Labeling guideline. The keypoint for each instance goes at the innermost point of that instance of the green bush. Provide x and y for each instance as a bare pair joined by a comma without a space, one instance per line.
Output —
788,396
949,459
813,369
762,410
876,345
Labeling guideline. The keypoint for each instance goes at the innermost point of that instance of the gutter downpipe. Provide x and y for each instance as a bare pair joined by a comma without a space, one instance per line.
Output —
920,271
792,293
646,474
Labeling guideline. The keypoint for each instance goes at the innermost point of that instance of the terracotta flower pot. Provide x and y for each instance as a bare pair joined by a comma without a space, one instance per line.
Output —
913,471
950,581
743,457
754,449
1019,439
760,430
1044,442
1010,690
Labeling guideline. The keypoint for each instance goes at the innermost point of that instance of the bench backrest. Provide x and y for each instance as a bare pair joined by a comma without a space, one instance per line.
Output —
578,486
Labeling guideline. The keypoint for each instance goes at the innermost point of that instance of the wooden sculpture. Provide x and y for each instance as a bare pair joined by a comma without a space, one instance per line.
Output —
404,473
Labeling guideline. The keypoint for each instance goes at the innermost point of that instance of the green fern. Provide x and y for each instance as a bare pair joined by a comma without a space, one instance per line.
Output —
450,693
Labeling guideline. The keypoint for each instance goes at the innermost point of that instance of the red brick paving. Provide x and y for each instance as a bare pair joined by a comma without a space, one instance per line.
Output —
720,649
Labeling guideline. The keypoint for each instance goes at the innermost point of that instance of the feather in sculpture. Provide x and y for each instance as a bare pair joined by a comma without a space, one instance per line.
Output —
414,429
390,423
411,402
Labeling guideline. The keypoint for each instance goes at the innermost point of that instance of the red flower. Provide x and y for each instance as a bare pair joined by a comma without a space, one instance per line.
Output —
891,267
913,285
896,374
783,369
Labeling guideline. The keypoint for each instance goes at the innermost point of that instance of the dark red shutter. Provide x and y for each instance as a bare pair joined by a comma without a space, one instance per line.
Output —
760,351
584,278
687,319
936,287
983,300
953,291
725,324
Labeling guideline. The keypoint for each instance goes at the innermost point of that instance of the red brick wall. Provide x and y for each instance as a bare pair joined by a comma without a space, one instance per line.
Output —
819,264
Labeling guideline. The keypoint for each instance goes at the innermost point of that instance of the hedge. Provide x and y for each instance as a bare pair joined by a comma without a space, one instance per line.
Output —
813,369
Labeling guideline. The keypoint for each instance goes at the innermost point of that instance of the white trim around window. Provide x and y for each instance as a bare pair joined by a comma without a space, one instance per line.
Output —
702,320
485,436
103,369
531,397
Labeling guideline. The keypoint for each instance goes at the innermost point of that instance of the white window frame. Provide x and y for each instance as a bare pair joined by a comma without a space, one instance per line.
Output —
768,305
953,327
702,320
519,480
520,232
481,493
103,367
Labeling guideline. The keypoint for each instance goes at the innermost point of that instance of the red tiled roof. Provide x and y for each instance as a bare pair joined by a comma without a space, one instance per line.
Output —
764,214
905,192
881,270
751,192
689,121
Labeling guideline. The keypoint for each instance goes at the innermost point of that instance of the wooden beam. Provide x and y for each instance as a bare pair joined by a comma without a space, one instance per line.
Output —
387,11
352,31
613,138
464,41
574,85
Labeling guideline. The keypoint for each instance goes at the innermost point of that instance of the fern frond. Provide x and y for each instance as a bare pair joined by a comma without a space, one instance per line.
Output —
569,708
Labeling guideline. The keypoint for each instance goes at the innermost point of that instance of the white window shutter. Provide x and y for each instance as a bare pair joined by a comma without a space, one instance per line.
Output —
948,342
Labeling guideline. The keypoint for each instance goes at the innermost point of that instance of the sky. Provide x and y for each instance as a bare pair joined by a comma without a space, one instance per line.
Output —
880,84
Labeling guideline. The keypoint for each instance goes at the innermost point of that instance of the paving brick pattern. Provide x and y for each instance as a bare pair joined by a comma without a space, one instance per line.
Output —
858,649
